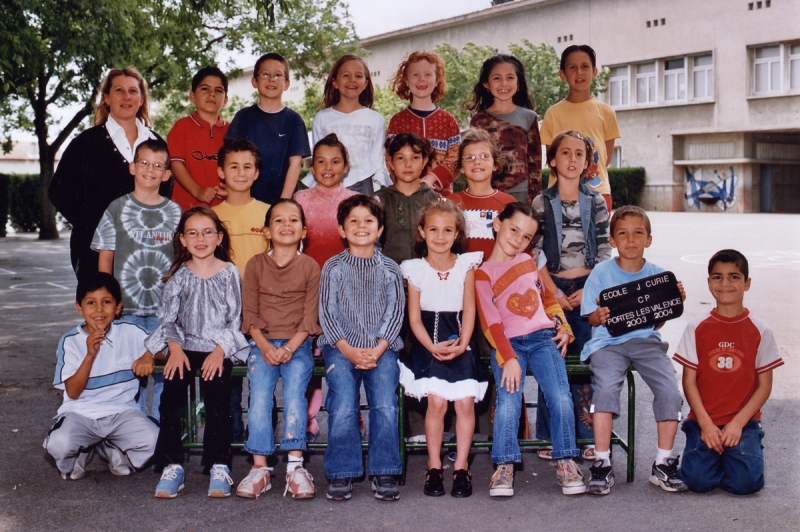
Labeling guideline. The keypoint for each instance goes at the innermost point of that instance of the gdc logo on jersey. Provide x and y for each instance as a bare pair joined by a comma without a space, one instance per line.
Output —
725,359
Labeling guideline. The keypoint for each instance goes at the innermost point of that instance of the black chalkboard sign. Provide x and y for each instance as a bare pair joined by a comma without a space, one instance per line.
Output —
642,303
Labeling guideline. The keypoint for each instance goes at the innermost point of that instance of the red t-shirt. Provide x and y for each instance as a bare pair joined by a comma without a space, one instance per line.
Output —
320,205
196,144
727,354
479,213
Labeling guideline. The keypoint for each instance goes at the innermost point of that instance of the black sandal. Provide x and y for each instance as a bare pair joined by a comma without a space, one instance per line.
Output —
462,483
434,483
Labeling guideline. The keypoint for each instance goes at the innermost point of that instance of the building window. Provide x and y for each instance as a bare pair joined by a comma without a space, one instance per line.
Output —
794,66
703,77
618,86
646,83
675,79
767,70
616,157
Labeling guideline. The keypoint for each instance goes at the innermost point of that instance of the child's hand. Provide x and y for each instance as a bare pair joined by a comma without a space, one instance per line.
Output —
270,354
212,365
562,341
432,181
207,194
600,315
712,437
682,291
176,361
575,299
731,434
512,376
93,342
443,350
221,191
284,354
144,365
565,304
365,360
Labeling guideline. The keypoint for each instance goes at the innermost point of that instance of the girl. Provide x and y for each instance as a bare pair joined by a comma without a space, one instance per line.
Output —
505,110
329,164
526,327
280,297
480,160
348,112
573,238
199,318
421,80
441,311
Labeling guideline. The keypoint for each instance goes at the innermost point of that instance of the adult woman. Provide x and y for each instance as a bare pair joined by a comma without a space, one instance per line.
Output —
95,167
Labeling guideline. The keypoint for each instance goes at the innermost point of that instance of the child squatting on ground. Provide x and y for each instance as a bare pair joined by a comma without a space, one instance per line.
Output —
97,367
527,329
361,311
727,356
611,356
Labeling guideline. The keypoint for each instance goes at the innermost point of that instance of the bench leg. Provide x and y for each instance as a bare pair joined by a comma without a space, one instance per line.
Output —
401,429
631,458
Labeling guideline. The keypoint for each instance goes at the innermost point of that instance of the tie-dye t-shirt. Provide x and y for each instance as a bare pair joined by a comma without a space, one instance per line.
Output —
141,238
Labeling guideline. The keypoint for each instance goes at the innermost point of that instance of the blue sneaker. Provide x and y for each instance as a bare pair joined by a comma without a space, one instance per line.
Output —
171,482
221,481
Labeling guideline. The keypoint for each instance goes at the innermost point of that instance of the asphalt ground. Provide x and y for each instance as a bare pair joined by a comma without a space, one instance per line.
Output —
36,308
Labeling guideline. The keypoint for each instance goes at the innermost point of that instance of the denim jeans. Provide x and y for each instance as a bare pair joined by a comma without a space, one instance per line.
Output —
537,352
149,324
580,385
343,457
738,470
263,377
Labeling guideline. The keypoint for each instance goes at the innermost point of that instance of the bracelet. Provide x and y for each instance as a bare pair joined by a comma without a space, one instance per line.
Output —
286,346
559,294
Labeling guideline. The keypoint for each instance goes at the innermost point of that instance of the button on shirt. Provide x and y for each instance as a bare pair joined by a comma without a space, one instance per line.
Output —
117,134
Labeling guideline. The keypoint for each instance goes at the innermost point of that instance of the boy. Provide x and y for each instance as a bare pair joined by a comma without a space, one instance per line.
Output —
610,356
97,367
244,217
409,194
194,141
582,112
134,239
277,131
727,356
361,304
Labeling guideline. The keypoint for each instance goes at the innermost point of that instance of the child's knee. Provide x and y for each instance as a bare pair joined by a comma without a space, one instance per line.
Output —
667,404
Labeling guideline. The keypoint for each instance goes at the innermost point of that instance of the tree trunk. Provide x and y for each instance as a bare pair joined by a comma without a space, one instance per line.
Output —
47,225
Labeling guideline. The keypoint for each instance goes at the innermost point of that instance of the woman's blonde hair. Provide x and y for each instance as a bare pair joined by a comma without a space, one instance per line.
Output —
102,110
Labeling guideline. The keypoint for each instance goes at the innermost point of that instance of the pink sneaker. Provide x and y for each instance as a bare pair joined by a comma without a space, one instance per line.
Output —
255,483
300,483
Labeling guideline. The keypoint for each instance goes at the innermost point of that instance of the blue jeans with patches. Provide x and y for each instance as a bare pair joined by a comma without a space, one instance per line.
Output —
535,351
343,458
738,470
263,378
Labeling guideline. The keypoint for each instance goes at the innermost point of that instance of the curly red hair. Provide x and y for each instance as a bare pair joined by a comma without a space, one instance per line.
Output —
399,86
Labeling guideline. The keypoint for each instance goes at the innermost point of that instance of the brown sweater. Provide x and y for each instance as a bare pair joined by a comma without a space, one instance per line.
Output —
281,300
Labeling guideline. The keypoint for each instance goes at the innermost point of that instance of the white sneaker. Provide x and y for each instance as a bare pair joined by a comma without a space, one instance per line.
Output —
300,484
255,483
570,478
117,460
79,469
502,484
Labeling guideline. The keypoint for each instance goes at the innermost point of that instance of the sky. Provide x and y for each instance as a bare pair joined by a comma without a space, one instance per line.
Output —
370,16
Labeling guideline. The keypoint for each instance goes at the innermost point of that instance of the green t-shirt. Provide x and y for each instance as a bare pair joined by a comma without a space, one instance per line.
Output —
141,238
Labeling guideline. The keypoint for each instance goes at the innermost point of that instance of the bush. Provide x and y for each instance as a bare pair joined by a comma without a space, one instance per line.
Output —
626,184
24,203
4,179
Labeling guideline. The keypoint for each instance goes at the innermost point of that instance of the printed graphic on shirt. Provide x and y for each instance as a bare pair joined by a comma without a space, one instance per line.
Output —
523,304
479,223
362,135
725,358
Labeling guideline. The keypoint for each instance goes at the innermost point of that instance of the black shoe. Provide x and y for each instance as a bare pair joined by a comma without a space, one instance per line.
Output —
462,483
434,483
340,489
385,488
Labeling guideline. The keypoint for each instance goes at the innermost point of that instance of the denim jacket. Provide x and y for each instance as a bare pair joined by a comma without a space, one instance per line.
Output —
552,226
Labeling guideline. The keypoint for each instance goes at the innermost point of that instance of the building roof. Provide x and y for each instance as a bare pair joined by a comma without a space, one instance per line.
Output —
490,12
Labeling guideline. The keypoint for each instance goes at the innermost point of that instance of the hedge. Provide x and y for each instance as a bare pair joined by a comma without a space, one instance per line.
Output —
626,184
24,203
4,179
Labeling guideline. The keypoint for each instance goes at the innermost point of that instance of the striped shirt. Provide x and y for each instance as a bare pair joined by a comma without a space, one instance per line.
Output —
361,301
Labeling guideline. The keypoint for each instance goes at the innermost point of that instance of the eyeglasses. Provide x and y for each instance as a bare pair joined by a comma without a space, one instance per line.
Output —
157,167
266,76
205,233
481,156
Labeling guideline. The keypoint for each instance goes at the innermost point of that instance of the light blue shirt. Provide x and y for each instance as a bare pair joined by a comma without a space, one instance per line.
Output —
606,275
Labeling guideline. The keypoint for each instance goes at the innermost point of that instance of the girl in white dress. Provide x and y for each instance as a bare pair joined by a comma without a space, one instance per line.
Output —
441,311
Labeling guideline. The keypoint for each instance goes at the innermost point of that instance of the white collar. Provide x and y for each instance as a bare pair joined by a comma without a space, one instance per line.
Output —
117,134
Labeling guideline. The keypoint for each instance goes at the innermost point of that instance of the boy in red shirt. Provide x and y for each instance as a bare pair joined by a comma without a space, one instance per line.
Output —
727,357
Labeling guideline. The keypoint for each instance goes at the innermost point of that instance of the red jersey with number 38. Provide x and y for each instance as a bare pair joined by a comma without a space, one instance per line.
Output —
727,354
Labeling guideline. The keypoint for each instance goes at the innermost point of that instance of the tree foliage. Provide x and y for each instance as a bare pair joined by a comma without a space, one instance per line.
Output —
462,68
54,53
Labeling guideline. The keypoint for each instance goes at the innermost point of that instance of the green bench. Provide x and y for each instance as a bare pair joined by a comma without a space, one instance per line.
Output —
191,440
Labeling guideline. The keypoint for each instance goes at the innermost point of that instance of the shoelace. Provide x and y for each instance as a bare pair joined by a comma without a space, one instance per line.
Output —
170,473
299,471
218,473
671,468
599,472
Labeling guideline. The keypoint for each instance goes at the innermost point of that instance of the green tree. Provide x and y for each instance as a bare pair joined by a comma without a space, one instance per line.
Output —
54,53
462,68
387,103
